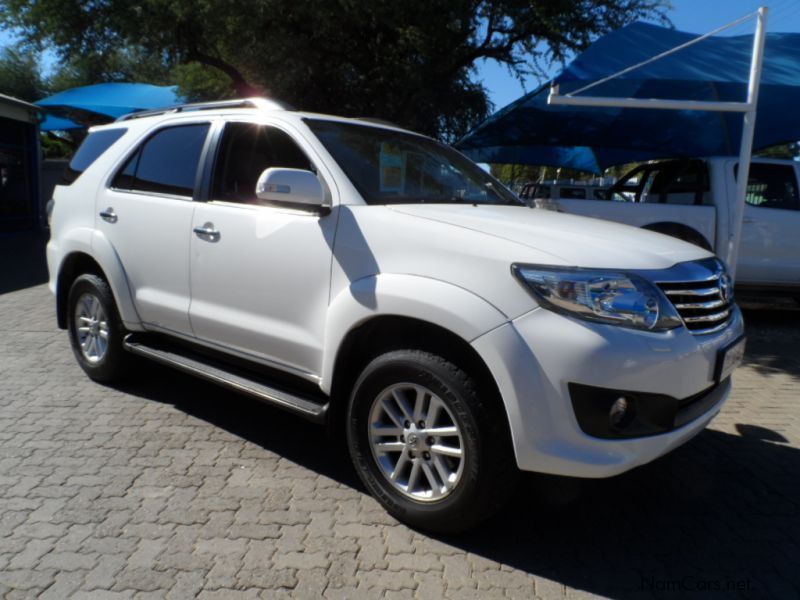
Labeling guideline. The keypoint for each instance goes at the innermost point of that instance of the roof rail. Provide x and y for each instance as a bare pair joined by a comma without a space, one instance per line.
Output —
262,103
378,121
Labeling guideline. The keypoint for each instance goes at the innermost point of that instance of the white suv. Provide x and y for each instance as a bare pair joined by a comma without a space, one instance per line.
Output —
376,280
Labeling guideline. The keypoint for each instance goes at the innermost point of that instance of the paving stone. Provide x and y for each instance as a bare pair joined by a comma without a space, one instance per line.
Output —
167,487
29,558
103,576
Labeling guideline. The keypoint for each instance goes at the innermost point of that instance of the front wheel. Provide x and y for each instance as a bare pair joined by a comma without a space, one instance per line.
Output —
95,329
432,451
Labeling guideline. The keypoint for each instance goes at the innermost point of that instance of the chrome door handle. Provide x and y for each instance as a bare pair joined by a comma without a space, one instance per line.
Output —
207,231
109,215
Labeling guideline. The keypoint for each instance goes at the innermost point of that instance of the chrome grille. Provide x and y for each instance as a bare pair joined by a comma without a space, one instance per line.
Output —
704,305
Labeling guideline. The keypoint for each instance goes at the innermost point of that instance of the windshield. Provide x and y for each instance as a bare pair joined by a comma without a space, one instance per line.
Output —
392,167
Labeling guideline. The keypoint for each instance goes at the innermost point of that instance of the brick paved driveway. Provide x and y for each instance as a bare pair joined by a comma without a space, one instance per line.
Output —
170,487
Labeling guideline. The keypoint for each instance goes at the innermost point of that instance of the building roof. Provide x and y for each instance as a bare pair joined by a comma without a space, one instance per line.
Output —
18,110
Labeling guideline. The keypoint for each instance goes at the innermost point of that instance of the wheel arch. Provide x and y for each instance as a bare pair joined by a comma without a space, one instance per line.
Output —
384,333
389,312
104,262
73,266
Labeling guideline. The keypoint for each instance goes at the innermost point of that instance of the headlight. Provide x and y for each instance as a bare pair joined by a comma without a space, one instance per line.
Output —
604,296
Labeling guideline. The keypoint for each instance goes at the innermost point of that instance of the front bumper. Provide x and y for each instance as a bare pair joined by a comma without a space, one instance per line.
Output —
536,358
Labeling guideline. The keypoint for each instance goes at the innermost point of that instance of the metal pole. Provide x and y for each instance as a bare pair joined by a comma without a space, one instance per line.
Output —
746,149
646,103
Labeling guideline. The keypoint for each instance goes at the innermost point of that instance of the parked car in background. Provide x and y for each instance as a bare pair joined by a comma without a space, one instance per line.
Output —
564,191
691,199
375,280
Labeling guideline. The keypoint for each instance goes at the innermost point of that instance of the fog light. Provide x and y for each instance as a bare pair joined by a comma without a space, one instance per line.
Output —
621,413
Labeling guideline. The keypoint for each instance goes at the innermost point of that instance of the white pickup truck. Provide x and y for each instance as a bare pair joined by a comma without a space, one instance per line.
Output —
690,200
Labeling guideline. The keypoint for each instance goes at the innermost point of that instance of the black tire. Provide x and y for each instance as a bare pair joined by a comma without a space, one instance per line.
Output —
488,474
114,363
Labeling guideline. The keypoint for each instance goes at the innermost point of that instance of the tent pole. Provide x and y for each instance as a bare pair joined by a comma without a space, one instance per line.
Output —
746,148
736,209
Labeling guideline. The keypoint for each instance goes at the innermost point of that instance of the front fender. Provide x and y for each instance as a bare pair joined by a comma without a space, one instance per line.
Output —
446,305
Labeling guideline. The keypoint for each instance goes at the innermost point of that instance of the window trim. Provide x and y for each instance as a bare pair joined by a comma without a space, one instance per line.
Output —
142,140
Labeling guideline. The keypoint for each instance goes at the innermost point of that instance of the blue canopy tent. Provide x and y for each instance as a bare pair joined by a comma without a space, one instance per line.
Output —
54,123
530,131
84,106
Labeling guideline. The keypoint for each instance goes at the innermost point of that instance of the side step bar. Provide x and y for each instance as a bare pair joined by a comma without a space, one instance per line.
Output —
238,379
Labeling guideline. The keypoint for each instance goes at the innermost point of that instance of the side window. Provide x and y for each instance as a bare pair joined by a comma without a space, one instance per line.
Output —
573,193
166,163
772,186
247,150
629,187
646,187
90,150
124,178
680,182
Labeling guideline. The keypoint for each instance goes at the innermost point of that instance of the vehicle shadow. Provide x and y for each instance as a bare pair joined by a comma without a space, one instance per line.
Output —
719,514
22,261
773,339
245,417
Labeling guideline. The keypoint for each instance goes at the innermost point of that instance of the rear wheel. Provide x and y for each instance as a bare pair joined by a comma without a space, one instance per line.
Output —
433,452
95,329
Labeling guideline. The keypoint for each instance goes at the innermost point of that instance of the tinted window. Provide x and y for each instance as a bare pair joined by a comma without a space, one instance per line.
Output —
246,151
124,178
573,193
90,150
166,163
772,186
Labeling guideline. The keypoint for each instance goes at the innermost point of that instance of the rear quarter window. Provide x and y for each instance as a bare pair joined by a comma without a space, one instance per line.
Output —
95,144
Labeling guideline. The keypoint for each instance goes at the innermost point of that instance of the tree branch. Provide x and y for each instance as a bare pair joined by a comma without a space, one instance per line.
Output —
242,87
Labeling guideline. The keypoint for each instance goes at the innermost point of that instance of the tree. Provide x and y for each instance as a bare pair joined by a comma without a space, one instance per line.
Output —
20,76
412,62
789,150
129,63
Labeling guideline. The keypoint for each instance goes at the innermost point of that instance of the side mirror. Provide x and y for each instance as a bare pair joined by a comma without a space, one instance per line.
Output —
291,186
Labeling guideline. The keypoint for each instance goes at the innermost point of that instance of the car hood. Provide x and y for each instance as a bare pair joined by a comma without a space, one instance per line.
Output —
571,240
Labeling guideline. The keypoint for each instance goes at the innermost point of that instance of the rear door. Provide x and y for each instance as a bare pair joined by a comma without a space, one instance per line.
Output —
146,214
770,244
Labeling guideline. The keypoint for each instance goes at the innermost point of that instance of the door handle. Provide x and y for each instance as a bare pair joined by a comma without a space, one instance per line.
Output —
109,215
207,231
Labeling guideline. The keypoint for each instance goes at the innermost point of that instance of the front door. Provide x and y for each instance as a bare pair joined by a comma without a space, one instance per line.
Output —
260,274
146,214
770,245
